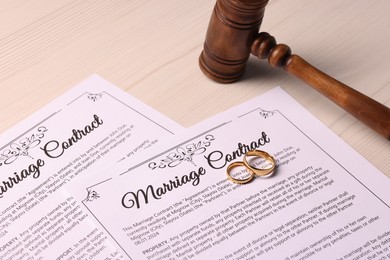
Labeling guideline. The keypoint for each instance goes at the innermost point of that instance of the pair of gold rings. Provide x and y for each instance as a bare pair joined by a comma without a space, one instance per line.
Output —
251,169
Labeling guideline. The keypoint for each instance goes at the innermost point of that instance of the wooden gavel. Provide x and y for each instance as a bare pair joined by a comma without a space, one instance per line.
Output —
233,34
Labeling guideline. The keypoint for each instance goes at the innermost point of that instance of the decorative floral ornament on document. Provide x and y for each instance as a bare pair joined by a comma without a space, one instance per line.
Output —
183,153
12,151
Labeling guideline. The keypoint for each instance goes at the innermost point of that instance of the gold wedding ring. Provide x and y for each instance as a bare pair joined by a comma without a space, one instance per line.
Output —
260,171
239,181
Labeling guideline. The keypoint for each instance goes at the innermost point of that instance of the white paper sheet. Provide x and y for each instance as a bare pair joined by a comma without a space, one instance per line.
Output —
94,125
324,201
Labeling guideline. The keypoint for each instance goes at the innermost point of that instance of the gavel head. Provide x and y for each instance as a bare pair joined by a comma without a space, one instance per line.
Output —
232,27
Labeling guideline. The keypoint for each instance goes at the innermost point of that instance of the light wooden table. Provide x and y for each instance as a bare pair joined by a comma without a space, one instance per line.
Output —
150,48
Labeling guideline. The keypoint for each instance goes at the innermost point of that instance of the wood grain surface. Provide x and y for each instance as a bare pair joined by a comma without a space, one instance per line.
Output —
151,48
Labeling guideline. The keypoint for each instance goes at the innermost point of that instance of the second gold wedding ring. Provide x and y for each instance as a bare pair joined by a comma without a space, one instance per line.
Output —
270,163
236,180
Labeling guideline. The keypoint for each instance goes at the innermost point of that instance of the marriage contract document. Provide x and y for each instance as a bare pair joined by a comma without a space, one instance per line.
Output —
324,201
93,125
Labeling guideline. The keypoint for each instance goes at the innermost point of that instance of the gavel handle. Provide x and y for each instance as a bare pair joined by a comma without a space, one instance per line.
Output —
368,111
